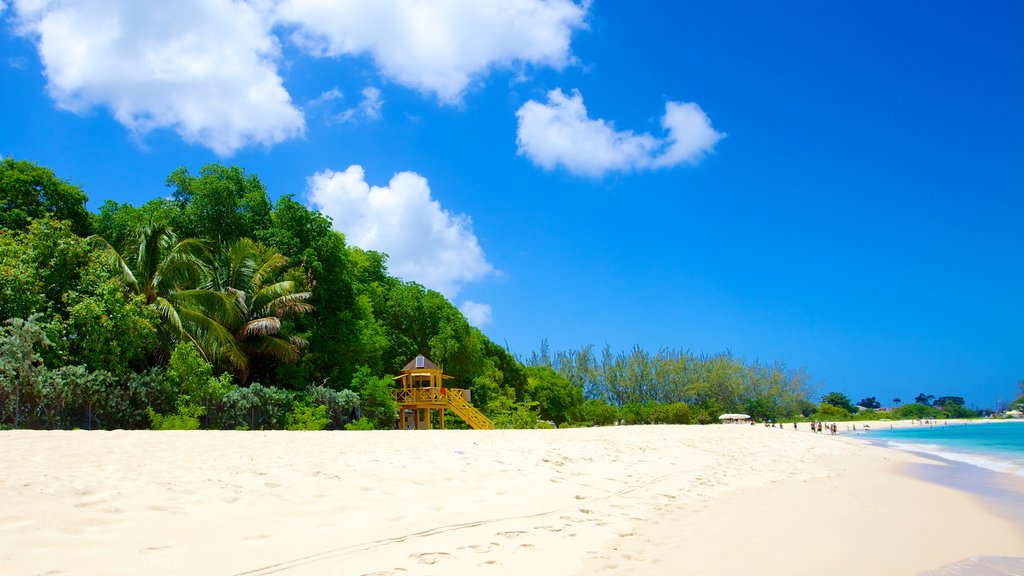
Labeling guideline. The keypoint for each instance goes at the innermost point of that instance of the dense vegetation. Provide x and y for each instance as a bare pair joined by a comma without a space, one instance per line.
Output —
217,308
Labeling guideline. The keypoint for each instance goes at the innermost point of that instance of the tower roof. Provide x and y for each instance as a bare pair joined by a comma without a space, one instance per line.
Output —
419,363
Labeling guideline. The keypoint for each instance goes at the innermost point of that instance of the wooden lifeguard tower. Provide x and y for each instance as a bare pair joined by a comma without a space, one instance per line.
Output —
422,391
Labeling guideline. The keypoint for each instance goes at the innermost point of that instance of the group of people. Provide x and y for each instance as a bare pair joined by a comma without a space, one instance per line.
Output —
819,426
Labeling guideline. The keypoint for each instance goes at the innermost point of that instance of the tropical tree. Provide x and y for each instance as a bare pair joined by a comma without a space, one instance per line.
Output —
839,400
252,276
29,191
168,274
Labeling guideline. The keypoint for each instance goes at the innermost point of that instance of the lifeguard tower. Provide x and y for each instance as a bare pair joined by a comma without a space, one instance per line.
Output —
422,391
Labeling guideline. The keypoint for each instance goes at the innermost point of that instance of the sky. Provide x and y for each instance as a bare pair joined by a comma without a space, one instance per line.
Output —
835,185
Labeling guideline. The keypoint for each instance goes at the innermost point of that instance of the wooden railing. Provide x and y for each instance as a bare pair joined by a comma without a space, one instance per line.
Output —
453,399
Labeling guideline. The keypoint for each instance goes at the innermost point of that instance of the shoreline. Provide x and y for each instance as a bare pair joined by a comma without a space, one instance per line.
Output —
617,500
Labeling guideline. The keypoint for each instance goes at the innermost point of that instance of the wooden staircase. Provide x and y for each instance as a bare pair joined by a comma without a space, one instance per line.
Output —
470,415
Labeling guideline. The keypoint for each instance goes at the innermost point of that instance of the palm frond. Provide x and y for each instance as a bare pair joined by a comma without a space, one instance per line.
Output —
259,327
217,343
268,268
113,261
272,347
218,306
290,304
267,294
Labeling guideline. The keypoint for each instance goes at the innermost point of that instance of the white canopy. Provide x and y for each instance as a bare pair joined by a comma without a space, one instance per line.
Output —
734,417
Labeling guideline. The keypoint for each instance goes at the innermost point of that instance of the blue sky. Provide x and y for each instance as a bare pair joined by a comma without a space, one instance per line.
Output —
835,185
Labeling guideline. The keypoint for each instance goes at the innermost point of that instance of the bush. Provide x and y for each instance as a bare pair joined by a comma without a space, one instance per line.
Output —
339,405
868,415
363,423
187,418
597,412
830,413
674,413
915,412
635,413
519,415
307,417
376,402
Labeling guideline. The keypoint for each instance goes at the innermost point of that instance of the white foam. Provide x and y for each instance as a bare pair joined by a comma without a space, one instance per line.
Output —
986,462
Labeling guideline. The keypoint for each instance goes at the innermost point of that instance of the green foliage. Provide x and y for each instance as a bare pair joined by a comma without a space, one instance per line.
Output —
923,398
634,413
674,413
830,412
839,400
868,414
376,403
558,399
221,203
360,424
307,417
510,414
108,330
598,413
21,368
187,418
953,410
254,278
339,405
38,266
870,402
192,376
915,411
29,192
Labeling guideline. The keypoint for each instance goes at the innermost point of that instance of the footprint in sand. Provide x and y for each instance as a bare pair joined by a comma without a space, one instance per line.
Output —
511,534
430,557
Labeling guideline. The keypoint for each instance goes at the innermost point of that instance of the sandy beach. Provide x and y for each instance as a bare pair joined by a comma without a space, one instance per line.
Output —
619,500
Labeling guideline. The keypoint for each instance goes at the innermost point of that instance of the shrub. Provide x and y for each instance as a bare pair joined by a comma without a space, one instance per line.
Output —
598,412
362,424
635,413
307,417
187,418
829,412
674,413
376,402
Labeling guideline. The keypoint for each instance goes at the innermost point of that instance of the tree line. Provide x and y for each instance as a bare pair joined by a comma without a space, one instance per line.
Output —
214,307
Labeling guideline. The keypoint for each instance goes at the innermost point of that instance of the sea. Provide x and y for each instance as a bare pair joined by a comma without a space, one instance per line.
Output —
997,446
984,458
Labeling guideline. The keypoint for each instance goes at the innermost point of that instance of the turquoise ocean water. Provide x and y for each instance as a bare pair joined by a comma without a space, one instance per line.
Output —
988,460
997,446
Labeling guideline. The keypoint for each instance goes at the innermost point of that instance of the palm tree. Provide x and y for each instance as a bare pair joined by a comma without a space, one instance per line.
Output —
169,273
251,276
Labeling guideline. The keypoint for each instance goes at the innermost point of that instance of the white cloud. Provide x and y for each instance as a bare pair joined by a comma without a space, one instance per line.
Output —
690,135
326,97
561,133
477,314
438,46
204,68
368,108
426,243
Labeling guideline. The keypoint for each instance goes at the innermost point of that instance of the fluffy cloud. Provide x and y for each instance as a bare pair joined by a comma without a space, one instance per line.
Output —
438,46
426,243
477,314
204,68
560,132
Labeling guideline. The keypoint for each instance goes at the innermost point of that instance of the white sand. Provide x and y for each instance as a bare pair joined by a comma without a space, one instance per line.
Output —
625,500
